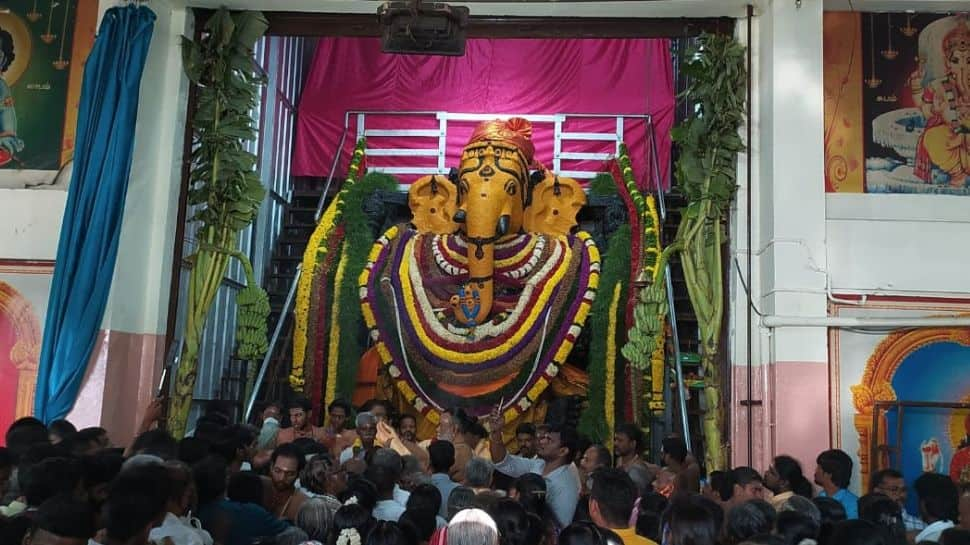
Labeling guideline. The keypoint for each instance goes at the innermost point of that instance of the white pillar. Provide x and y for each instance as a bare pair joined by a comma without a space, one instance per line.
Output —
790,366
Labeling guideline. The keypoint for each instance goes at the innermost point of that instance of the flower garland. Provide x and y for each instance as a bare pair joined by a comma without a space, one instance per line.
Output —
347,345
314,254
645,349
424,353
601,367
611,331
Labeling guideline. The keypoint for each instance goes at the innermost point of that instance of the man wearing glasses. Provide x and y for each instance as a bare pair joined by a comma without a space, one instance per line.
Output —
891,483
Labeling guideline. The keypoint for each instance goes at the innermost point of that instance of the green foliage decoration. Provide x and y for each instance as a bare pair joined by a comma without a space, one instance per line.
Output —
223,183
709,143
615,270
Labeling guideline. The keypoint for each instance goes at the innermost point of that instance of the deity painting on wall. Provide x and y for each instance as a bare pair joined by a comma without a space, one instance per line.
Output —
924,367
897,103
43,46
24,289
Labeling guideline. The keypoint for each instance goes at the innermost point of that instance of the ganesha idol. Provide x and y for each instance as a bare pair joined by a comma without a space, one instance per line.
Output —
941,90
479,300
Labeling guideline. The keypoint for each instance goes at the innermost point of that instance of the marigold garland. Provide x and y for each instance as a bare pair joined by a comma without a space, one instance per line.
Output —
424,337
611,331
314,253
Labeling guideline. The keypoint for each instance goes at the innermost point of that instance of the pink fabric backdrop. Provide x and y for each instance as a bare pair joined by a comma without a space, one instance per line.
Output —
517,76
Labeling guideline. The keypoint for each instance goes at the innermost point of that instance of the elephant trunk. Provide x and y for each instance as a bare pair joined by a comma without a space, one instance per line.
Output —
475,304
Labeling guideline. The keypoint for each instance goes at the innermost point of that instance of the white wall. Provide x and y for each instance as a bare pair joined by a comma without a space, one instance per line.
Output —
30,223
910,245
140,290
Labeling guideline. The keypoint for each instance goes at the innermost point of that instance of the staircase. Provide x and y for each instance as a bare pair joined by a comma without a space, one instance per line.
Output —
687,330
298,226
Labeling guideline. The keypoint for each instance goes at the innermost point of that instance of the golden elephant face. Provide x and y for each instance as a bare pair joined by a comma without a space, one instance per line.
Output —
492,190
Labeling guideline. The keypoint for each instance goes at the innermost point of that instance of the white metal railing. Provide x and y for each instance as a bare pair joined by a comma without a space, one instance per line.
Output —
437,163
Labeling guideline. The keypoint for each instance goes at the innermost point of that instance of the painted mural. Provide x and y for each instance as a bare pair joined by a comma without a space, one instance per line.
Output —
897,103
43,45
24,289
913,365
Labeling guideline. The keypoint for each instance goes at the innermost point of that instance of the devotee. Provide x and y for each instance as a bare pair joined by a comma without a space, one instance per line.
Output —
366,438
285,466
688,522
403,438
478,475
270,426
964,506
59,430
785,479
177,505
886,515
475,437
557,448
719,486
794,527
62,520
748,485
472,527
461,498
322,481
380,408
595,457
136,504
611,503
748,519
301,418
627,445
674,455
833,473
316,519
665,482
384,471
516,526
938,505
891,483
525,440
427,497
229,522
451,428
442,456
586,533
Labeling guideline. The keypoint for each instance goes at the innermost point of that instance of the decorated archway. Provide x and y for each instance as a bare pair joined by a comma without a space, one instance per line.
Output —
19,353
914,365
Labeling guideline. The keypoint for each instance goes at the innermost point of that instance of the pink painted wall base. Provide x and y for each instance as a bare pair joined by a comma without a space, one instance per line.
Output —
121,380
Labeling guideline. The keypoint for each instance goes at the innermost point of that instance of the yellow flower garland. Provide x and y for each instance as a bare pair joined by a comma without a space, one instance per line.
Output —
315,251
333,346
471,358
610,398
516,409
316,248
657,358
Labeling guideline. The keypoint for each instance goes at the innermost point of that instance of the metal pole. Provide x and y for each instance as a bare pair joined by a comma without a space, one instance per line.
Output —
671,309
333,168
272,344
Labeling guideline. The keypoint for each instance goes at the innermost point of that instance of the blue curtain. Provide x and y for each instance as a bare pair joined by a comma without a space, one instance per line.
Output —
95,205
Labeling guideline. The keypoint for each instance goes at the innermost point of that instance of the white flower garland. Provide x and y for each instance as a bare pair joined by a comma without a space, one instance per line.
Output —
349,536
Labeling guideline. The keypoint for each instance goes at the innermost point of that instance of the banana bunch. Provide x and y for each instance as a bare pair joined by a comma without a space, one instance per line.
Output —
252,314
648,324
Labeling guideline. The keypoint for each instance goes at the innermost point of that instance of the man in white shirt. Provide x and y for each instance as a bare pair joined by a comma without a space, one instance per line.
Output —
938,505
556,450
